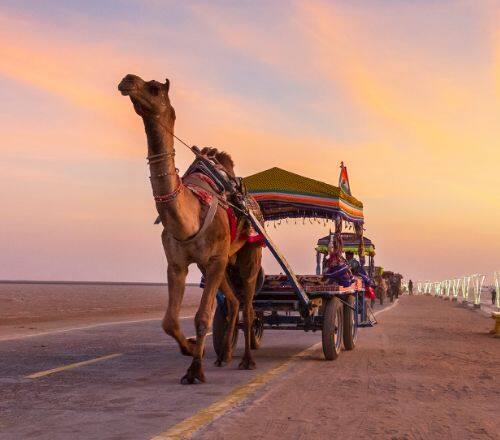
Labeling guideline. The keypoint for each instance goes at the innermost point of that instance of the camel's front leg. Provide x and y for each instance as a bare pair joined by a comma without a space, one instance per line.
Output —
176,285
215,271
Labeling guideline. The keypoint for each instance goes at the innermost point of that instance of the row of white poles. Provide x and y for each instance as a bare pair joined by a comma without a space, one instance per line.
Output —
468,288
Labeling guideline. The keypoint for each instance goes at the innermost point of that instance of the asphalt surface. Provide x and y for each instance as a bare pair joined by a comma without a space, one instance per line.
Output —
133,395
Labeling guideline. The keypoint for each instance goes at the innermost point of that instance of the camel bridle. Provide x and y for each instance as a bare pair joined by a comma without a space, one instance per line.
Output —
157,158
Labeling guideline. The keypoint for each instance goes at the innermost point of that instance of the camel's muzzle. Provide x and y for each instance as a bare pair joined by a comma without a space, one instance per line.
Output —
128,84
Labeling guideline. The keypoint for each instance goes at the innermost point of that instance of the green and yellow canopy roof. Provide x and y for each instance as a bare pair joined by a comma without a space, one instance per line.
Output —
350,242
282,194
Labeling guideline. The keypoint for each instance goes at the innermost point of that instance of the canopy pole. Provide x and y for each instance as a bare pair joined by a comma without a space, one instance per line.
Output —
338,235
361,245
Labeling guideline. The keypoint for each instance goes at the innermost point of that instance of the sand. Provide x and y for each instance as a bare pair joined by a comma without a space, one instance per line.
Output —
29,308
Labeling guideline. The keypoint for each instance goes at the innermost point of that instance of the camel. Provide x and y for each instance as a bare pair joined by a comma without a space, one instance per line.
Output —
187,239
381,287
393,281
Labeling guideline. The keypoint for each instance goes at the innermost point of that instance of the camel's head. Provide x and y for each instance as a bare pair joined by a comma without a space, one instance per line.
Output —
150,98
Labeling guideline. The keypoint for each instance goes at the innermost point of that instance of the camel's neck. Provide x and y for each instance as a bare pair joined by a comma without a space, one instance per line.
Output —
164,178
180,215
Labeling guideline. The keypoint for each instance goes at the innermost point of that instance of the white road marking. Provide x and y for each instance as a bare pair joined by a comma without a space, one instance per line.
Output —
86,327
387,308
71,366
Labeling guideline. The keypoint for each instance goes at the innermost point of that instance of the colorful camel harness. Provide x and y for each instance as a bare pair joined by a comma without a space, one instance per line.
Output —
208,181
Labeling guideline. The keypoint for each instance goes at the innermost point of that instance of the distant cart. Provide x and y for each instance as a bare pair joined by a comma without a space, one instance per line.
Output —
350,242
303,302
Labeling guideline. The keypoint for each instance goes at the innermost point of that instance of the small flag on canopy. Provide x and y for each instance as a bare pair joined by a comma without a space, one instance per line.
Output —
344,179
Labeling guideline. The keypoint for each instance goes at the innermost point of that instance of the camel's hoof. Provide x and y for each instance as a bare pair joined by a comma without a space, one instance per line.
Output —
247,364
222,362
194,374
190,380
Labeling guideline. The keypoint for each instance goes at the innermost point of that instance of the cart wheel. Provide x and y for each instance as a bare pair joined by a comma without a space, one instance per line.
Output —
257,333
332,329
350,335
219,328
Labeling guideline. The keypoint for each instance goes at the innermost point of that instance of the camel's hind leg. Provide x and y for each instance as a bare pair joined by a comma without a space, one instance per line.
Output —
233,306
249,260
176,285
215,272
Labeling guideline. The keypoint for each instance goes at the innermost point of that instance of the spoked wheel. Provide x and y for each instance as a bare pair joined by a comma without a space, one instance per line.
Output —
332,329
350,333
257,333
219,329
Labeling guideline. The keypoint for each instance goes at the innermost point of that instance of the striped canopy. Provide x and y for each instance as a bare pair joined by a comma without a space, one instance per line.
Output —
282,194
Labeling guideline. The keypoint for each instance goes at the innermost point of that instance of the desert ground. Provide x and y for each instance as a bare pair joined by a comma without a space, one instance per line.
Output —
31,308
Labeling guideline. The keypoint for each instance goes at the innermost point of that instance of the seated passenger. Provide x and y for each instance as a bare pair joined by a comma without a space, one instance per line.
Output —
337,269
352,262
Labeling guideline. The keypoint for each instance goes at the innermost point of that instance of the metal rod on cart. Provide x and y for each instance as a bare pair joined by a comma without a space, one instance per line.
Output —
301,294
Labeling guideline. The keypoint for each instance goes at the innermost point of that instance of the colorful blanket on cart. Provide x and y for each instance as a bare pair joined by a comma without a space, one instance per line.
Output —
310,283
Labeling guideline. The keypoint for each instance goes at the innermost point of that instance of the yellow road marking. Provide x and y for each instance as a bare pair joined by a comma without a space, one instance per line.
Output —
189,426
71,366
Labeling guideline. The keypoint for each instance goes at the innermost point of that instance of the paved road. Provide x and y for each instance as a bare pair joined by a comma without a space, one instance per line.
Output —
134,394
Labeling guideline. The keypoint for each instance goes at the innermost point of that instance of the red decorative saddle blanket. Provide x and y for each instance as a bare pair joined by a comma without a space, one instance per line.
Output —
205,189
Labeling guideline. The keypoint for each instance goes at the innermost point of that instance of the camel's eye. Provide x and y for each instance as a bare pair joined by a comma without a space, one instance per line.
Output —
153,89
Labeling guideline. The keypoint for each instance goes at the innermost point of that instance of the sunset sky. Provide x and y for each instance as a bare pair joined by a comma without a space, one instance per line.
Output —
406,93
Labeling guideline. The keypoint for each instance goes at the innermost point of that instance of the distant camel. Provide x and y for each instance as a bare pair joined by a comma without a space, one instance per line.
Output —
184,238
393,281
381,287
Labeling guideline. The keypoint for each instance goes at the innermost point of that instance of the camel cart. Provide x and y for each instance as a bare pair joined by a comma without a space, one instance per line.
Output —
302,302
350,243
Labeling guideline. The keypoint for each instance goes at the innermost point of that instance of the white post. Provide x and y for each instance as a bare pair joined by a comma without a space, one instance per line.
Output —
465,289
478,286
446,290
457,289
496,277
